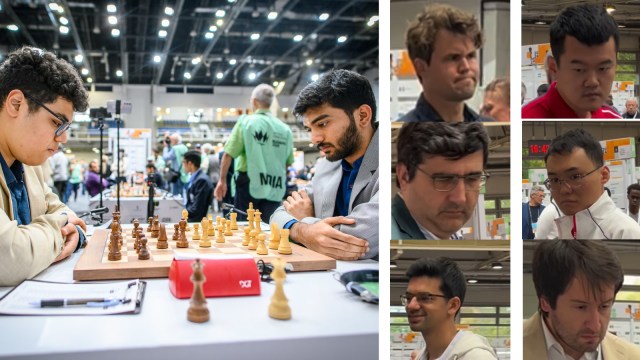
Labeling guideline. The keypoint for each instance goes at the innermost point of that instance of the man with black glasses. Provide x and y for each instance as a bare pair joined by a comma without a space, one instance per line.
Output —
434,296
440,171
577,175
38,95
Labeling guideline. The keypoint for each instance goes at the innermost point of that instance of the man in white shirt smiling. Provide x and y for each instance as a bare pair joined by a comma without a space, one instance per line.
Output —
576,283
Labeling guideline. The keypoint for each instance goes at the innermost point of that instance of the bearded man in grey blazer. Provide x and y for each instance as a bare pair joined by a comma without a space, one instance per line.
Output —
337,213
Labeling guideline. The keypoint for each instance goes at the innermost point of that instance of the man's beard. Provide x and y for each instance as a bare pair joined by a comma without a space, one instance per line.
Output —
348,143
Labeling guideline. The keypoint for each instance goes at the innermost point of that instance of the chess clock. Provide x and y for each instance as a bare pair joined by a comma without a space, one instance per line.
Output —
538,148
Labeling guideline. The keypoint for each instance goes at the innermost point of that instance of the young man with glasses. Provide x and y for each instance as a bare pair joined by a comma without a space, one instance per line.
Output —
531,211
576,284
577,175
434,296
440,171
38,95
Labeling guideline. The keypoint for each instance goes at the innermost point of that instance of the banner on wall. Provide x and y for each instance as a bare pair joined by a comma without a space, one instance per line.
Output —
535,54
136,144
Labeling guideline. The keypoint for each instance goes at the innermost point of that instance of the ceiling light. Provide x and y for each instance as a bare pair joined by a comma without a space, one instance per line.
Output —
64,30
373,20
53,6
392,264
213,28
187,75
115,32
275,83
272,15
323,16
112,20
208,35
60,10
162,33
89,80
157,58
219,22
168,10
255,36
119,73
219,75
315,77
196,60
610,8
298,38
285,109
220,13
12,27
309,62
84,71
252,75
342,39
78,58
231,1
621,26
472,281
540,22
232,62
63,20
111,8
165,22
496,266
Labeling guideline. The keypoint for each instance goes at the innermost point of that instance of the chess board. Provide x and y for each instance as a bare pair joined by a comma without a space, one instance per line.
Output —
94,265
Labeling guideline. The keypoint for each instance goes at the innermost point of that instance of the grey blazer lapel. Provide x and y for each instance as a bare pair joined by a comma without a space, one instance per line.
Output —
325,188
367,169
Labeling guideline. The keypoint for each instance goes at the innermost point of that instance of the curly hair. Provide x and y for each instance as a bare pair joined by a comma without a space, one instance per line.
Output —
43,76
421,35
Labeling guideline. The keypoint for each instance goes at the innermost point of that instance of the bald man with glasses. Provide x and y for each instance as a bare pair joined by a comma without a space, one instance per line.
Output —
577,175
440,171
435,293
38,95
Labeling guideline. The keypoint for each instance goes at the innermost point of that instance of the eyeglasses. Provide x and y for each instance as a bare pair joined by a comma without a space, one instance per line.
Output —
574,181
446,182
540,194
64,126
422,298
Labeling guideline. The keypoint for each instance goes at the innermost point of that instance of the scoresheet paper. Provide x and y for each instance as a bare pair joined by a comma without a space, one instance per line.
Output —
20,300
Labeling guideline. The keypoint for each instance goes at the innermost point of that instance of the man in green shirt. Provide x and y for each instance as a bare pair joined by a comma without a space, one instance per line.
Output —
262,147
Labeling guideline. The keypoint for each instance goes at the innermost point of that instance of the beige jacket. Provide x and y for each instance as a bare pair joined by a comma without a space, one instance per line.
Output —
534,347
26,250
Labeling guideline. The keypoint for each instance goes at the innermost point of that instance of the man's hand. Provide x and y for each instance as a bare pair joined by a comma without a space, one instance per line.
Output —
73,219
321,237
299,205
220,191
70,234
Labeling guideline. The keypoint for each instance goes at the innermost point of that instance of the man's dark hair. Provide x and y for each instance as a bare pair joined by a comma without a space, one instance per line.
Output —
590,24
557,262
453,283
542,89
43,76
420,140
576,138
633,187
194,157
342,89
151,166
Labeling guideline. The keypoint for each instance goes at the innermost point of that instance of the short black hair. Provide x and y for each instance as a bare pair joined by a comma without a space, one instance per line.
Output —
557,262
633,187
420,140
542,89
43,76
590,24
453,283
576,138
151,166
342,89
194,157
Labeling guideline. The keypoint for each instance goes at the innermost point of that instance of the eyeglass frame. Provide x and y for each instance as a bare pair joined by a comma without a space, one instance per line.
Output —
62,128
406,301
484,175
547,182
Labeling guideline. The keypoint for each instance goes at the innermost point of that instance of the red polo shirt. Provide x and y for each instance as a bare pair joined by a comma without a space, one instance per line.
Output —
552,106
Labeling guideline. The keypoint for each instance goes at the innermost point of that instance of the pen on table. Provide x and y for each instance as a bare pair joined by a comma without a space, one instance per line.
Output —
69,302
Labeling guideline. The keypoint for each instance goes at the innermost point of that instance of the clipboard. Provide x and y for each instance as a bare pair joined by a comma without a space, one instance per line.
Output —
127,295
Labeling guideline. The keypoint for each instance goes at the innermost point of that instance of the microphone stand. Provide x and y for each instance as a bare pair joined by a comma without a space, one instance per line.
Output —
101,128
117,117
152,187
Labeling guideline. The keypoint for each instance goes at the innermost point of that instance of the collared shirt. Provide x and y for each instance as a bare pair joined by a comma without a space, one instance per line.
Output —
556,352
429,235
635,115
425,112
552,106
446,355
19,198
349,174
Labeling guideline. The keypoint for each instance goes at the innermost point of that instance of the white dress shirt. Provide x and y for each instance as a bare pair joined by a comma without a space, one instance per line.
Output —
556,352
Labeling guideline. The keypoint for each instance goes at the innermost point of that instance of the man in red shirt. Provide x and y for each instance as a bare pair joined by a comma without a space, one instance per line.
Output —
584,42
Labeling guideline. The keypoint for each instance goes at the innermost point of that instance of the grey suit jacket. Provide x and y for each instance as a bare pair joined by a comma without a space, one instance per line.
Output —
534,346
403,225
363,204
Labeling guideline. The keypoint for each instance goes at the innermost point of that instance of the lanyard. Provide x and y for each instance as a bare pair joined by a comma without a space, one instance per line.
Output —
573,229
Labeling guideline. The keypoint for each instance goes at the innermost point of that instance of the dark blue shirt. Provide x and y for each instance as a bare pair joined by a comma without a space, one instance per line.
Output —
14,176
349,174
425,112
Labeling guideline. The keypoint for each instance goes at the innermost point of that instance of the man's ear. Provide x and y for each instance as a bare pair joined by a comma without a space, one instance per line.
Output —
553,65
606,175
544,304
14,100
402,174
363,115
